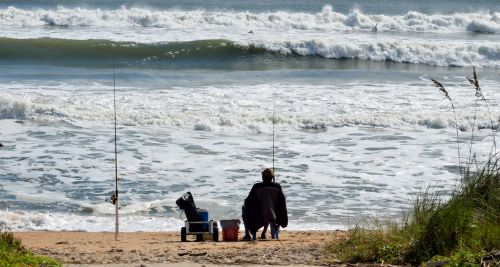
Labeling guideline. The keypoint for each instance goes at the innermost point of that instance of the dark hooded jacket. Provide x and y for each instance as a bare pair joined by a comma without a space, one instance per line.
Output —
265,205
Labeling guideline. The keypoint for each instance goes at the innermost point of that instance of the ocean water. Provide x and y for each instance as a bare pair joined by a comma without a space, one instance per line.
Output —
359,128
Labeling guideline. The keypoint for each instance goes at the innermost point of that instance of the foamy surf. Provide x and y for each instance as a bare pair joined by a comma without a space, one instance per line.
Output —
21,221
327,106
326,20
359,128
53,221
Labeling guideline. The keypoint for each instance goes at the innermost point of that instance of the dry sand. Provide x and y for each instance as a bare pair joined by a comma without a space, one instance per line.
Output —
147,248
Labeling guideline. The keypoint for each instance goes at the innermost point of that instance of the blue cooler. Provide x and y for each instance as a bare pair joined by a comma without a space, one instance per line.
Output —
203,213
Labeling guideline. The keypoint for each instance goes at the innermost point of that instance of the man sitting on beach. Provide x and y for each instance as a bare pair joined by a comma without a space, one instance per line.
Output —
265,205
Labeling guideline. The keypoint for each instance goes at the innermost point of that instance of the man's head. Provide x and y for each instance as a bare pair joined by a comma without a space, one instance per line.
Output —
267,175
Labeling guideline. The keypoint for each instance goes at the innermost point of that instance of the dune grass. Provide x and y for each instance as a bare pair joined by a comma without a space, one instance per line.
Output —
13,253
462,229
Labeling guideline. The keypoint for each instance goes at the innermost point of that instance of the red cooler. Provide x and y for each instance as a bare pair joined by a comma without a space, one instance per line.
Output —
230,229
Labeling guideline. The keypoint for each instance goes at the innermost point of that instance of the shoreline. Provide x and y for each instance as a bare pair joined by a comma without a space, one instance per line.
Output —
146,248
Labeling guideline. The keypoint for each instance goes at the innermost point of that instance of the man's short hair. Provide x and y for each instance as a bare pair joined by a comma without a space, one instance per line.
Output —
267,175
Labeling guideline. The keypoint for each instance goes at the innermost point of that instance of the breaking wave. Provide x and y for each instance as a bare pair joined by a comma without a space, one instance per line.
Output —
437,54
12,109
325,20
93,52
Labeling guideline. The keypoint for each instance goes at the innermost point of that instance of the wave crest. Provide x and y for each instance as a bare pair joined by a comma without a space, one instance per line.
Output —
73,52
12,109
325,20
444,54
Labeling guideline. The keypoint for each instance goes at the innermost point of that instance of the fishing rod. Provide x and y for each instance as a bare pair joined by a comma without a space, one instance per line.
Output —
115,196
274,116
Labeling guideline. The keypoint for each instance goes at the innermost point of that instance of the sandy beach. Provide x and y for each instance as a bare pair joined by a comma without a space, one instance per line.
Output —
146,248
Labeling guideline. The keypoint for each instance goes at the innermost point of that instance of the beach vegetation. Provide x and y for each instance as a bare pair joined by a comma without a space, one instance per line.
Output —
461,228
13,253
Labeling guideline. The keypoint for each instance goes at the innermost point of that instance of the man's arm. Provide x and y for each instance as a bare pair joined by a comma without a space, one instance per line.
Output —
250,193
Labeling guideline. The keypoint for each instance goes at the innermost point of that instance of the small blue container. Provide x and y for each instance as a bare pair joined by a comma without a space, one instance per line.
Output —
203,215
204,218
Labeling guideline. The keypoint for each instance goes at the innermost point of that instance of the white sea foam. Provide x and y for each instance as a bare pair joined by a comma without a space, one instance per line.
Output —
39,221
104,208
325,20
239,108
48,221
12,109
